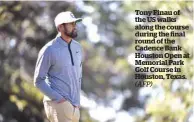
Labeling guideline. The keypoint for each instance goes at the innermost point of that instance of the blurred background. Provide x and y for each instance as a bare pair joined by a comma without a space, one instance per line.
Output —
107,36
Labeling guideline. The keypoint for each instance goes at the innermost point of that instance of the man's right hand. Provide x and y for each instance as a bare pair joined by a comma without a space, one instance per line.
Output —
62,100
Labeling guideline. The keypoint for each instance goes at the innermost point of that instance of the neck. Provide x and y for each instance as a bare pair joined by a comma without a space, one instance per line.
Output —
66,38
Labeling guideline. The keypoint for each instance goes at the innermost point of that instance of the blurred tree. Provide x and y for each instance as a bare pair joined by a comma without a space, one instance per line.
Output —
24,28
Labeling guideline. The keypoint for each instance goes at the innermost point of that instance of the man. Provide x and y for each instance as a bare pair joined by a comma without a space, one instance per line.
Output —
58,71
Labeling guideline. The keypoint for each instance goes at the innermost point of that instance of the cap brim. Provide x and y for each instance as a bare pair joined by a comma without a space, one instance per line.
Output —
78,20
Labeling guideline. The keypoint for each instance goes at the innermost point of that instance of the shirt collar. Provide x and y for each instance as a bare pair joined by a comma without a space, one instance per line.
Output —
61,41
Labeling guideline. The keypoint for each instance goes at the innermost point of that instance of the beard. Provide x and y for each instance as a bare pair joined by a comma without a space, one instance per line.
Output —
72,34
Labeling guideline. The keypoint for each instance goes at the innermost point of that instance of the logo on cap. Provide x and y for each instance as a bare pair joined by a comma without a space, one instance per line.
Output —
72,15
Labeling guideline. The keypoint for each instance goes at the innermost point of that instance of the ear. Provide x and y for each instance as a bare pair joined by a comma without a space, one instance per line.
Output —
59,28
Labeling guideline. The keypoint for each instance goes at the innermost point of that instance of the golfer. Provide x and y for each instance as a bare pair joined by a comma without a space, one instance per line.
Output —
58,71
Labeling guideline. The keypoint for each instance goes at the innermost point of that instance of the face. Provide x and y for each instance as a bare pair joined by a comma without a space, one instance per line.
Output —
69,29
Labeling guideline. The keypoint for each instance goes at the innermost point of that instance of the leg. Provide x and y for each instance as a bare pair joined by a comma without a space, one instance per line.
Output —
76,115
59,112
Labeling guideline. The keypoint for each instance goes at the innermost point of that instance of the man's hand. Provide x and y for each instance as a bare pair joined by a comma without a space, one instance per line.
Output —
62,100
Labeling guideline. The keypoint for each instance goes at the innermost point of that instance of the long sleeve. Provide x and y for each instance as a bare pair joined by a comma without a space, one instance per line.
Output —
43,64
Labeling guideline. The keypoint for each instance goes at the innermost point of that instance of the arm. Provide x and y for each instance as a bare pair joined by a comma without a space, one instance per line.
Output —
44,62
